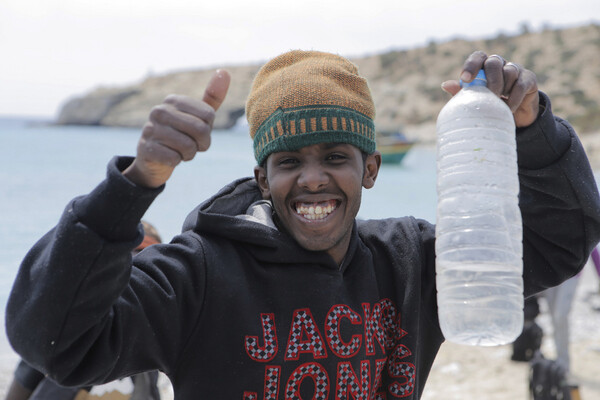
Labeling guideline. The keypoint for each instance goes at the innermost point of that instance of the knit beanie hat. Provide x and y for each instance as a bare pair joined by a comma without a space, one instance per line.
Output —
301,98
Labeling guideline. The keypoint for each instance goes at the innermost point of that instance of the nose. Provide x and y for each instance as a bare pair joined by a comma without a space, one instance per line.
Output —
313,177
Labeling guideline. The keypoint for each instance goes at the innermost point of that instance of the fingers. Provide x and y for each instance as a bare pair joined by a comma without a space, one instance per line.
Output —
501,76
169,137
181,115
494,72
516,85
190,117
167,145
452,87
512,89
509,81
511,73
524,99
182,125
472,65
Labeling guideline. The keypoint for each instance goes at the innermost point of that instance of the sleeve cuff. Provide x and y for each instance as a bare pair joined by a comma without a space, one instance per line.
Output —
545,141
115,207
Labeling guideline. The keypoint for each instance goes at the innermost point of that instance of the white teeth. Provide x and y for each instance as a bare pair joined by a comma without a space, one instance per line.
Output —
315,212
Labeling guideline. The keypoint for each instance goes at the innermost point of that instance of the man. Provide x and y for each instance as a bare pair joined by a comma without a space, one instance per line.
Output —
273,289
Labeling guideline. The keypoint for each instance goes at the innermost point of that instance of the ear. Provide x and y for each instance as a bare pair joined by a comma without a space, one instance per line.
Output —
260,174
372,164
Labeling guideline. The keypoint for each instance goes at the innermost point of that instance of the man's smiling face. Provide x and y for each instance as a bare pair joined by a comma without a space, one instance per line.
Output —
316,192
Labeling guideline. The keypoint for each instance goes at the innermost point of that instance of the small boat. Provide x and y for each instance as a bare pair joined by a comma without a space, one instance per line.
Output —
393,147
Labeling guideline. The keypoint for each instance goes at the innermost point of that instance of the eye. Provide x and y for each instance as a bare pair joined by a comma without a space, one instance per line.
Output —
287,161
337,157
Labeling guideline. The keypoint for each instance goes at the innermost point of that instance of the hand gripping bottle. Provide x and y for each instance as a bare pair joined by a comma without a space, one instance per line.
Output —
479,249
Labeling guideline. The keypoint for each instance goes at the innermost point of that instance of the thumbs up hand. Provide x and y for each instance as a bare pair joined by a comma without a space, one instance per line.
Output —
176,130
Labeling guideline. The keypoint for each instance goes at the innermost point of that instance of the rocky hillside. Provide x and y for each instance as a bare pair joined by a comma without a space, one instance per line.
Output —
405,83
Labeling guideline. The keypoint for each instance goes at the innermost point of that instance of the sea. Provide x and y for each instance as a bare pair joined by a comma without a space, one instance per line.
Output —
43,166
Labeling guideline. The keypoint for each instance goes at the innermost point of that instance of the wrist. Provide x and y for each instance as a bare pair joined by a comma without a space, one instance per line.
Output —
135,175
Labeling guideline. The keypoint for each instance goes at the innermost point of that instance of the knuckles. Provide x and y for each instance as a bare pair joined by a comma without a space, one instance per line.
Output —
147,130
159,113
530,77
204,144
172,99
199,109
188,153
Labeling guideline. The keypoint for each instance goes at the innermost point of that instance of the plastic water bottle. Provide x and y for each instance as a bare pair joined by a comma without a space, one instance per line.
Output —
479,264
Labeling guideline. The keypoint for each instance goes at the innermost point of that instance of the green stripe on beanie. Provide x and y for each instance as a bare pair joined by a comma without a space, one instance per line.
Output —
289,130
303,98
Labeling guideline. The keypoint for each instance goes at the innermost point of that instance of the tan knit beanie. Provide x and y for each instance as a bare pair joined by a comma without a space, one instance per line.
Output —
302,98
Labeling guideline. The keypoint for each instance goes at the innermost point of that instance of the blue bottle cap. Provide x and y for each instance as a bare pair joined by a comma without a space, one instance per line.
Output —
480,80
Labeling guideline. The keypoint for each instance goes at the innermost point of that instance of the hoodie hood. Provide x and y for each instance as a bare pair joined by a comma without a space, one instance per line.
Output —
238,213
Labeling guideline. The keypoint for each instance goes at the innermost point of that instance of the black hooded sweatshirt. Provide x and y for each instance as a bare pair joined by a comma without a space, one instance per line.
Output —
234,308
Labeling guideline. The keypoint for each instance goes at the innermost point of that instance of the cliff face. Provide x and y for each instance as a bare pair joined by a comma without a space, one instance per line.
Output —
129,106
405,84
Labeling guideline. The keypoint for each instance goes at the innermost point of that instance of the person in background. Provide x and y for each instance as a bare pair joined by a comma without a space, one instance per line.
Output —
530,339
274,289
30,384
560,302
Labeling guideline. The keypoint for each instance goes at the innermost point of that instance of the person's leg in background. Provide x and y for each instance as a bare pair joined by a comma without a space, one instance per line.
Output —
24,383
560,300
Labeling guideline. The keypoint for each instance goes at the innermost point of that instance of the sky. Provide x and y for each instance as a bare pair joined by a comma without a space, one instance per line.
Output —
53,50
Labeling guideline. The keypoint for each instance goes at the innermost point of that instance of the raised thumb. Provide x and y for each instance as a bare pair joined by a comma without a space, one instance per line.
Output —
216,89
